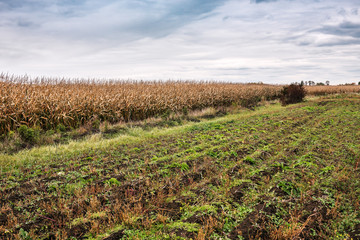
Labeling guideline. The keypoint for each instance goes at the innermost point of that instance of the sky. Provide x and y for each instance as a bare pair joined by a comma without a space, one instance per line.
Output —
269,41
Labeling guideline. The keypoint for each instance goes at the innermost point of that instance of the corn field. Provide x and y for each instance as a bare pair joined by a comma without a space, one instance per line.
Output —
46,103
324,90
49,102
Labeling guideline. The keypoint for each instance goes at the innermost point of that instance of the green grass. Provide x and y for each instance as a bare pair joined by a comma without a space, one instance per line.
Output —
273,173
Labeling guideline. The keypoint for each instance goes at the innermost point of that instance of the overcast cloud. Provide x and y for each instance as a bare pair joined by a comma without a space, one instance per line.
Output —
236,40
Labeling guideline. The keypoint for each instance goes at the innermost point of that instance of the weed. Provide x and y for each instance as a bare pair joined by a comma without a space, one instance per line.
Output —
288,187
182,166
327,169
24,235
249,160
112,182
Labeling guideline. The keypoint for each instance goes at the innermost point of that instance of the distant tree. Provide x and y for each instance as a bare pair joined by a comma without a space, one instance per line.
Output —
358,83
302,83
320,84
306,82
327,83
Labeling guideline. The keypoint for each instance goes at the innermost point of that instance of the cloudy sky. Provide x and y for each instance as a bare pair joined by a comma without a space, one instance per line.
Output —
271,41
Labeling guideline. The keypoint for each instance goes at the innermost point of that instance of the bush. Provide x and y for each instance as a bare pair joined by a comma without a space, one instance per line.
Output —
60,128
27,134
251,102
292,94
95,124
185,111
166,114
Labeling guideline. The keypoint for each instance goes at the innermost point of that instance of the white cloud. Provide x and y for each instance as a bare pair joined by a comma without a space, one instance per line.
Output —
274,42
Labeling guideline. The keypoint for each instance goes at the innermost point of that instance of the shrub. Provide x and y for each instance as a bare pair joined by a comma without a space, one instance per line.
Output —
185,111
166,114
292,94
251,102
95,124
61,128
27,134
